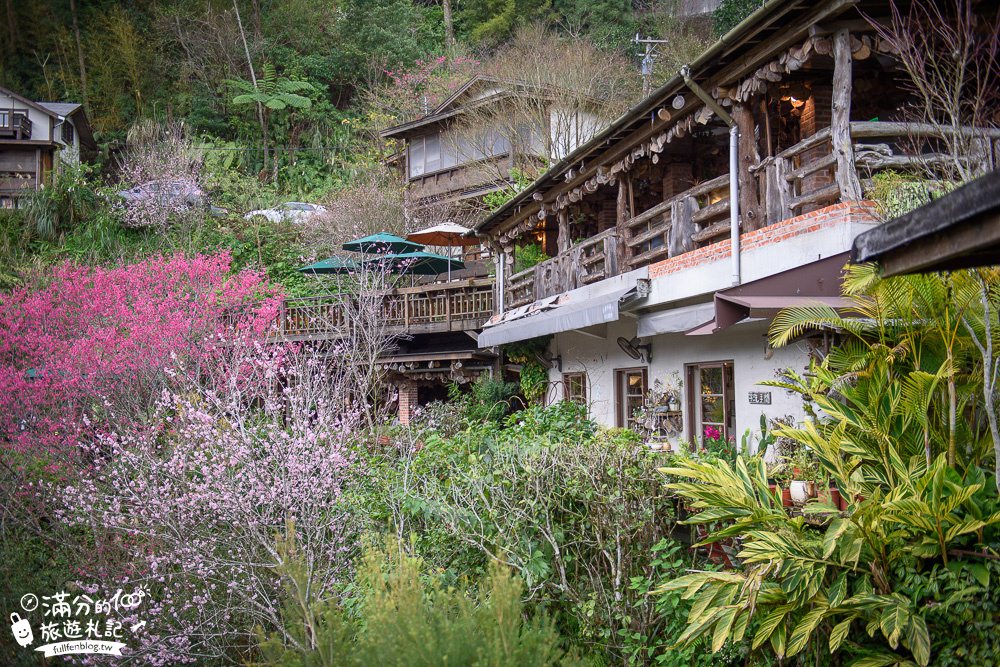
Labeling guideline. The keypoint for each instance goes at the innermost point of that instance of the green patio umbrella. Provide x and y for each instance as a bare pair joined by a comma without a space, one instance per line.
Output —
383,242
417,263
331,265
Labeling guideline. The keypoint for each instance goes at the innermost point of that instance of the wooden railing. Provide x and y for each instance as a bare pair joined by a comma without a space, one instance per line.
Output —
588,262
801,178
455,306
15,123
806,175
695,217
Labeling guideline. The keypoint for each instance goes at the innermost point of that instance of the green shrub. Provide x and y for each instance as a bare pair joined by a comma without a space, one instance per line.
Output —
730,13
399,613
527,256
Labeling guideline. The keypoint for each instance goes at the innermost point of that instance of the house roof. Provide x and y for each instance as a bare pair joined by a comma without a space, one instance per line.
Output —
37,106
451,106
61,108
959,230
776,24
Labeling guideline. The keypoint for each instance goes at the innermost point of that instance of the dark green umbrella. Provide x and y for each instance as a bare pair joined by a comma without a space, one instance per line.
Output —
419,263
383,242
331,265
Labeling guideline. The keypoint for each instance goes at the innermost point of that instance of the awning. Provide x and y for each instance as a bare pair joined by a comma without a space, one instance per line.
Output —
676,320
815,284
957,231
598,309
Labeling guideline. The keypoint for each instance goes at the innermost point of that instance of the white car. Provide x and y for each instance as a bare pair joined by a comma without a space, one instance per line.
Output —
293,211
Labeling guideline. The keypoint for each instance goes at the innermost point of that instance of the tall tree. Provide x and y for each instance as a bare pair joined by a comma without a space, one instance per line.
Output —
79,54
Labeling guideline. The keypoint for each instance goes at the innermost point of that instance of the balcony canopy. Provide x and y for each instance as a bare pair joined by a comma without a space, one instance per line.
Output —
555,315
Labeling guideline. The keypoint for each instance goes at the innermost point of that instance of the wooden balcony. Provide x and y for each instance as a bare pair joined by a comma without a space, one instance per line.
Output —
454,306
802,178
14,124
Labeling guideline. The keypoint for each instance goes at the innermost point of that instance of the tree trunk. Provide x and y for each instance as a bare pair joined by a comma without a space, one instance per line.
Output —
261,116
11,27
750,211
79,55
449,27
840,119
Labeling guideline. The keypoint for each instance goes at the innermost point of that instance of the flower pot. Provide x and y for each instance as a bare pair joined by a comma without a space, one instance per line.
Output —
799,491
811,488
786,497
835,499
674,405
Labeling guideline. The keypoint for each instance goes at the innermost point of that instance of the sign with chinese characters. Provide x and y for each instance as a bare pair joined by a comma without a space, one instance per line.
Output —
73,624
759,398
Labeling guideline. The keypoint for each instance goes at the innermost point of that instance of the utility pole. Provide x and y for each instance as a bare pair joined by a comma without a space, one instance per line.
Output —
648,58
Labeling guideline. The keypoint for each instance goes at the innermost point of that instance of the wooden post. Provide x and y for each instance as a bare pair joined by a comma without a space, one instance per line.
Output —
840,120
611,266
563,241
682,227
751,217
622,214
779,192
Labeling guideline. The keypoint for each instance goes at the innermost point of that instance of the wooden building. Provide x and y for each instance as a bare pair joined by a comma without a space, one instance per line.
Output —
33,136
752,162
447,164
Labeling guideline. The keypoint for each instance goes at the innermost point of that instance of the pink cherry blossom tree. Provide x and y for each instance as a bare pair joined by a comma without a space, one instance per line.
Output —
194,505
84,352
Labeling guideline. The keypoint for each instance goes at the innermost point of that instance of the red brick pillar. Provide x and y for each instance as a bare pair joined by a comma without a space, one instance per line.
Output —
676,179
816,114
407,401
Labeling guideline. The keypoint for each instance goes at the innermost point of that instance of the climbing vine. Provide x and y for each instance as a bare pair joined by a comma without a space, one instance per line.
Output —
534,375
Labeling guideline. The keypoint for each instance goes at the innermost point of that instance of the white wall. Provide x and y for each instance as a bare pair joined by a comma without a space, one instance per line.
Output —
41,123
744,344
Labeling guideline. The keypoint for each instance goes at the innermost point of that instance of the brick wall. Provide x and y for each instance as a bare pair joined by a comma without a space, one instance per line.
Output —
407,401
816,115
829,216
676,179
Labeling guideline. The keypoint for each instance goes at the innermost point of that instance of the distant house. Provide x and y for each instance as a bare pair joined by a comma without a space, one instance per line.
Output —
442,164
32,136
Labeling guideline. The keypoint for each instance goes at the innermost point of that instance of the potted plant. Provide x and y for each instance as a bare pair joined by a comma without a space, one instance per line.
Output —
781,474
805,470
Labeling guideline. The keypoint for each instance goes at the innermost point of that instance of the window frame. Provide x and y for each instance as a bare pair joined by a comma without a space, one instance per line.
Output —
568,393
694,405
622,418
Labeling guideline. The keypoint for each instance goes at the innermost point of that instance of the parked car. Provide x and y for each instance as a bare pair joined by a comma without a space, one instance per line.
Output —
174,193
293,211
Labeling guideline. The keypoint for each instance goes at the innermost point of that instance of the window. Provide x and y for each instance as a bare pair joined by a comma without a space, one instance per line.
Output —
434,152
711,400
424,155
67,133
630,394
575,387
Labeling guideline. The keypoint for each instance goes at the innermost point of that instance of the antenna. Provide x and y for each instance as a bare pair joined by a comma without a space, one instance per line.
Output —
648,60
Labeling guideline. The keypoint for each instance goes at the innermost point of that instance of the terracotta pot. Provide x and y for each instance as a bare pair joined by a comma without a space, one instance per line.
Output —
786,497
835,498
